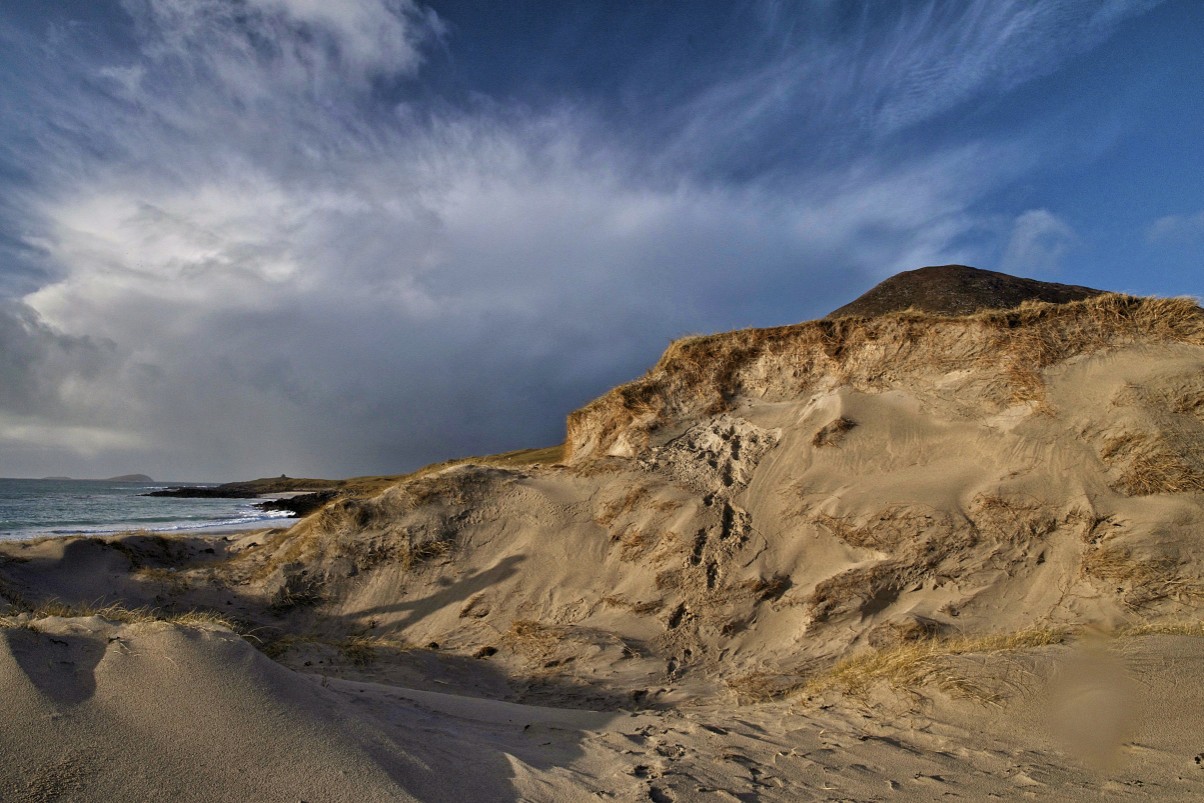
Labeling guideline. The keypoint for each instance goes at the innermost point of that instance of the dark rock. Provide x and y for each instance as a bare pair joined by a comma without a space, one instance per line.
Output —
301,505
247,490
197,492
957,290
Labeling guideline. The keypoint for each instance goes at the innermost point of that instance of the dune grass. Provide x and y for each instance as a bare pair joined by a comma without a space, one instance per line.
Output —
1190,627
26,615
911,665
372,485
359,649
704,375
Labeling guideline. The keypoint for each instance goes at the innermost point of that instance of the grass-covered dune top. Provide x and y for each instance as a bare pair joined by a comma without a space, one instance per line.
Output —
1004,350
367,485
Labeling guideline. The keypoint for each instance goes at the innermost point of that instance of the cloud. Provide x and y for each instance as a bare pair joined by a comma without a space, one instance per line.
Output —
833,79
346,325
1038,242
299,43
43,368
1176,229
252,261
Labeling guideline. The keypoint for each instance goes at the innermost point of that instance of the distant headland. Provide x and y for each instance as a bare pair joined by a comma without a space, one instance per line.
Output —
122,478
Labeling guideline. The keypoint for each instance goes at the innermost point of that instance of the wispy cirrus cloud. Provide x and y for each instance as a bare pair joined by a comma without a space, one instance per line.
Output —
841,75
307,45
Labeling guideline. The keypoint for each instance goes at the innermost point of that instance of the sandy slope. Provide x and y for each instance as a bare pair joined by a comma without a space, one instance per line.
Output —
104,712
687,592
157,711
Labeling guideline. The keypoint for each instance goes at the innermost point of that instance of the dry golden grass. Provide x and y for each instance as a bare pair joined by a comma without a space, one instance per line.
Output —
1012,519
309,543
764,686
832,433
911,665
1191,627
358,649
634,543
668,579
868,588
638,608
533,638
1154,465
704,375
768,589
422,552
1189,402
175,581
614,508
1139,582
886,530
553,647
113,612
363,487
356,511
362,649
279,645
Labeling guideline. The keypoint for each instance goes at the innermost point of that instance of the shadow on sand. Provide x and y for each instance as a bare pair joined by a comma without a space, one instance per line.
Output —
150,570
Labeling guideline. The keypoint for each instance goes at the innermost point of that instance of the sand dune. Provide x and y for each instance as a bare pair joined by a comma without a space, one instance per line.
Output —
884,557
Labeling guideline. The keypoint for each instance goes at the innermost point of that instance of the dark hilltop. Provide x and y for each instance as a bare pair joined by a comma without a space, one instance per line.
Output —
957,290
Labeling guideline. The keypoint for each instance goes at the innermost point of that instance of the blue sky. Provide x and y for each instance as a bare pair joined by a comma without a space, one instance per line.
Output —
246,237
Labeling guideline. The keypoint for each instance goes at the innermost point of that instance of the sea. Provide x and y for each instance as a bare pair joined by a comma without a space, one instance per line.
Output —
35,508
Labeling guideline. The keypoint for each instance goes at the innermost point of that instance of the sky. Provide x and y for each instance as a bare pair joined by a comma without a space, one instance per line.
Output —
241,238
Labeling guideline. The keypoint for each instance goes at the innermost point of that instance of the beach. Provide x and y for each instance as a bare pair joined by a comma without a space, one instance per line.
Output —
956,556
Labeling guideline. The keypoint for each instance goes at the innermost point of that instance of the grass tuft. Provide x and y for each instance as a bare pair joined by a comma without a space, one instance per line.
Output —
113,612
909,665
832,433
1191,627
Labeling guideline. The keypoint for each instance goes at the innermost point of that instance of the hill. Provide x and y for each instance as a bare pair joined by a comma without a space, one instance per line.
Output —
831,550
956,290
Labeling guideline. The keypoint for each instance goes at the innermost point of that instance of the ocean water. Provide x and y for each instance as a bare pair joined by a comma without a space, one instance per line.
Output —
32,508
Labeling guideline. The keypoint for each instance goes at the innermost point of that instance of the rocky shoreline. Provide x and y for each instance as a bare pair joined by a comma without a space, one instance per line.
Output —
297,496
200,492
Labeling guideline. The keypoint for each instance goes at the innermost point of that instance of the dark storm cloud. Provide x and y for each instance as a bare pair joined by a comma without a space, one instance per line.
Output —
37,362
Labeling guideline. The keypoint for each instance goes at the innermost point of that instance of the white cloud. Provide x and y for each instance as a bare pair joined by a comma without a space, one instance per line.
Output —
298,43
372,36
1038,242
1176,229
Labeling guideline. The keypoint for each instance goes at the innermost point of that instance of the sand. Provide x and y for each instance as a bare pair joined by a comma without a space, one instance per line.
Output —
878,560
